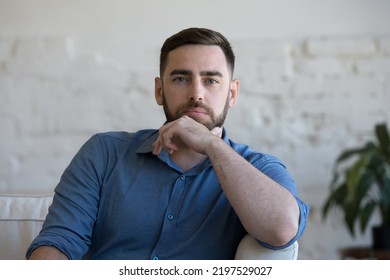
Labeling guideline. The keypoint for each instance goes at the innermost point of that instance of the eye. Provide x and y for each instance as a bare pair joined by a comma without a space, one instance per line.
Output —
181,79
211,81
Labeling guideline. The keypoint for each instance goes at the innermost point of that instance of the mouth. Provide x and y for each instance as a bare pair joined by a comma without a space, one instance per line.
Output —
195,113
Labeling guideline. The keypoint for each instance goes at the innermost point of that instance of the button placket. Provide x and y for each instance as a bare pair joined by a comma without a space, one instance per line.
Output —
169,226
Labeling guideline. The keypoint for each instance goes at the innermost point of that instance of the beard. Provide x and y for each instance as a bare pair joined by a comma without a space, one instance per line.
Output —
215,121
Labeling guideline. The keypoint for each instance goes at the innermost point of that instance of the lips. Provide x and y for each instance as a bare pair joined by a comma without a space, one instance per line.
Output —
195,111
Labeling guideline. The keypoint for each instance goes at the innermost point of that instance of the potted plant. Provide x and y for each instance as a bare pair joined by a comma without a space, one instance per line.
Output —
361,186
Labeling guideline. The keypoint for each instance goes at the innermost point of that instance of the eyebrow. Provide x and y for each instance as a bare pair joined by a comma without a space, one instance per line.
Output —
204,73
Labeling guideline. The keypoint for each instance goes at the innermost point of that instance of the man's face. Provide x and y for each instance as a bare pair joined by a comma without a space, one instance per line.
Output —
196,82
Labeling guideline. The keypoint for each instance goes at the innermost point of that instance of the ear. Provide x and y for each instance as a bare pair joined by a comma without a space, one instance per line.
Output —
234,89
158,90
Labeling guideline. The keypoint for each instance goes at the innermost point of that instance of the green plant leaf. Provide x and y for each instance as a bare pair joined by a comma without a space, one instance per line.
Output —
351,213
362,183
365,215
353,177
384,200
359,177
336,197
383,137
351,152
363,186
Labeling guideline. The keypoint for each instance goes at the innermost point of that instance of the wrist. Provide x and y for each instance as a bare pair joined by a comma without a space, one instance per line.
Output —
214,145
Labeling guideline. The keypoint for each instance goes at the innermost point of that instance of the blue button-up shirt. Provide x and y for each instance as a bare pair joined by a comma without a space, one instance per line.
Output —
117,200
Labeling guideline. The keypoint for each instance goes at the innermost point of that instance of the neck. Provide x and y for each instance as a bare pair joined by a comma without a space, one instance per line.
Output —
187,158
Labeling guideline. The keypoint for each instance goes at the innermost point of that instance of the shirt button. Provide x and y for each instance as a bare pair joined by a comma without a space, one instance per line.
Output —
155,258
182,177
170,217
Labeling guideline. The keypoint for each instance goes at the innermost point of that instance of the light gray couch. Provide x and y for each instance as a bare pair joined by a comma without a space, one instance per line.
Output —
21,219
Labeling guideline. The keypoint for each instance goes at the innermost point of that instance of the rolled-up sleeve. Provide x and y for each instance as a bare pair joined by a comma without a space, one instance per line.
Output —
276,170
71,217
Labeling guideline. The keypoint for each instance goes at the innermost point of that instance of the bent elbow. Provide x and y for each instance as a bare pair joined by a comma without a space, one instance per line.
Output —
284,235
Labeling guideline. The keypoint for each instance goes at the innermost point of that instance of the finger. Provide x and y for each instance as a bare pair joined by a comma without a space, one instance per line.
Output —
168,144
158,144
164,142
157,147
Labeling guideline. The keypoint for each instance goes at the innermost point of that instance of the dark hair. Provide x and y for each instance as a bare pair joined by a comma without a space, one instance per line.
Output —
196,36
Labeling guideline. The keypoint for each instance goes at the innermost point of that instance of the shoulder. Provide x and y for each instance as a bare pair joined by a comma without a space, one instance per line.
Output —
124,136
253,156
116,141
268,164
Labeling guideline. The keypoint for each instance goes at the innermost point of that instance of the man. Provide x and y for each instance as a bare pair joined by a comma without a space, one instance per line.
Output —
185,191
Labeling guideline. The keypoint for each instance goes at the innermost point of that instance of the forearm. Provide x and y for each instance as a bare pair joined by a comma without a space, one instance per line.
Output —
268,211
47,253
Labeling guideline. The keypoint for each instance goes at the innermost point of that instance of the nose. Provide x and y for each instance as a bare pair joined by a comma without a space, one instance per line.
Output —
197,91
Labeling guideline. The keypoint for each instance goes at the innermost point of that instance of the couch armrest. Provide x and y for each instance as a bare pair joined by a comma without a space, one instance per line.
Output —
250,249
21,219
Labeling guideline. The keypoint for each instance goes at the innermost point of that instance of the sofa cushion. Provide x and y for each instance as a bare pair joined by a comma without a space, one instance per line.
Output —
21,219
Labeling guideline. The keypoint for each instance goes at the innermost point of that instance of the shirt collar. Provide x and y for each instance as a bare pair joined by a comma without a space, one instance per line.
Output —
147,145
